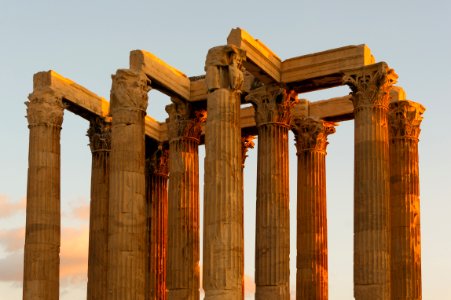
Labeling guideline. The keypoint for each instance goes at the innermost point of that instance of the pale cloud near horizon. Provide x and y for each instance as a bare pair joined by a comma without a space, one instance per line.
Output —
74,247
10,208
74,244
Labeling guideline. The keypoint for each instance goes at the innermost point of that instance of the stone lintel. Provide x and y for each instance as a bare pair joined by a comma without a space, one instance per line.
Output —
164,77
78,99
261,61
85,103
322,69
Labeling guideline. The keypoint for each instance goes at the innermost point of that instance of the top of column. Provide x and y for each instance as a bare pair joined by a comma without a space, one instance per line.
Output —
370,85
184,121
224,67
272,104
45,107
404,119
129,90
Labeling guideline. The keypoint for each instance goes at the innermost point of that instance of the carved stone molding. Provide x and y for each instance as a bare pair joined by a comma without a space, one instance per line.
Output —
129,90
158,163
311,134
184,121
224,68
247,142
405,119
99,134
45,107
371,85
272,104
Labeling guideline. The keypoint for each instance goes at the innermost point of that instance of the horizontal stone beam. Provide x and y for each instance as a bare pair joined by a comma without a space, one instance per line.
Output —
261,61
198,90
164,77
323,69
79,100
85,103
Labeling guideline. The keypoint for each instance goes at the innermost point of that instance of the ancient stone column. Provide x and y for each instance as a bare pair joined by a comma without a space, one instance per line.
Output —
127,207
42,231
223,252
404,129
272,241
311,266
157,204
184,130
99,133
370,95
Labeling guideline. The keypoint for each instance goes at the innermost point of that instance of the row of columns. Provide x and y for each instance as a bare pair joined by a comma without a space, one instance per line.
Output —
144,236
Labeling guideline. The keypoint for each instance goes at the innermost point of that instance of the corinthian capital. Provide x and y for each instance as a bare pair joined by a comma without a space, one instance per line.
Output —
184,121
224,68
405,119
370,85
247,142
311,134
158,163
99,134
129,90
272,104
45,107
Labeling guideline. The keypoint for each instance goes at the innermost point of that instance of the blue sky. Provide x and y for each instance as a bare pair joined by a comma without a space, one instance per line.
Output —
87,41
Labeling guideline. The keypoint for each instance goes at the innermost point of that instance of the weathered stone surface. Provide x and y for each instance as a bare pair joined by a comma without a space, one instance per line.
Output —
43,222
223,224
370,95
322,69
311,261
157,169
183,272
272,242
99,133
404,129
163,76
127,207
261,61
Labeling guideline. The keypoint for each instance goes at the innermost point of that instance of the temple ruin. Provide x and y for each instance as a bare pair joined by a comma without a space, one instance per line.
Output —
144,214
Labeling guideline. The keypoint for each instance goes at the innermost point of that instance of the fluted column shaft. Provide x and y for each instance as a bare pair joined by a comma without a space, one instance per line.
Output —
370,95
127,208
272,241
223,252
100,143
157,204
43,220
183,237
404,121
311,265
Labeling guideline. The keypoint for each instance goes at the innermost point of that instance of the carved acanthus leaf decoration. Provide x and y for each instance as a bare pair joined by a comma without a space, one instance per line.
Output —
129,90
272,104
158,163
45,107
224,68
99,134
183,121
247,142
371,85
405,119
311,134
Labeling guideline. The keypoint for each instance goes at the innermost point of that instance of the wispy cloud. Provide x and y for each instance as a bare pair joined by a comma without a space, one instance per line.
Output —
249,285
74,245
10,208
12,240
